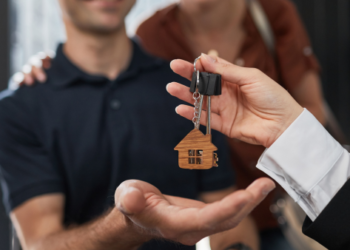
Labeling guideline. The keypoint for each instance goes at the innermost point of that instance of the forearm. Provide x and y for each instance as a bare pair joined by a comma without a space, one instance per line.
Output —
245,233
112,231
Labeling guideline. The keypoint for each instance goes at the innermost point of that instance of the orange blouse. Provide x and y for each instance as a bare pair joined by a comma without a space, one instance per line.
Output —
162,36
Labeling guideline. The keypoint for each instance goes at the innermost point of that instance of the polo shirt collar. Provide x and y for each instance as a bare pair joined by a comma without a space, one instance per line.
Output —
63,72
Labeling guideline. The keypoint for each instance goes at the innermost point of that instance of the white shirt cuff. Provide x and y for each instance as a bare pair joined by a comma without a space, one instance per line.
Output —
301,159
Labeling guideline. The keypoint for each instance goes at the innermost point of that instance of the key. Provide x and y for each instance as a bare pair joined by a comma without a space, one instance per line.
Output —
196,150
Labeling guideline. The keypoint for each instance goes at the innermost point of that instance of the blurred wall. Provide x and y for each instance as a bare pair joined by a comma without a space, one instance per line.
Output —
4,74
328,24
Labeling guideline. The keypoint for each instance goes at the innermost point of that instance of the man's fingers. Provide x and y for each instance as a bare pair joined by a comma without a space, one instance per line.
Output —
131,201
213,215
130,196
236,206
183,202
259,190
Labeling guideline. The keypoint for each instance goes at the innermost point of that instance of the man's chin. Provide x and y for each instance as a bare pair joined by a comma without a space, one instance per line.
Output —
103,29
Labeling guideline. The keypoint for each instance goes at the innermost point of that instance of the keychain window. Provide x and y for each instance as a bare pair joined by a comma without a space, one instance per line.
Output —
195,156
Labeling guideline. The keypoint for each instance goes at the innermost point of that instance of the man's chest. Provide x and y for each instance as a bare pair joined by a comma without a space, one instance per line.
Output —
110,135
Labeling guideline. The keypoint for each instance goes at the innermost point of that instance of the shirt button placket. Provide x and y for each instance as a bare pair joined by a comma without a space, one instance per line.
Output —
115,104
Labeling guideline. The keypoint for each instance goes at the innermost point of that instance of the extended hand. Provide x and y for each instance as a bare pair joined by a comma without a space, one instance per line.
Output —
184,220
252,107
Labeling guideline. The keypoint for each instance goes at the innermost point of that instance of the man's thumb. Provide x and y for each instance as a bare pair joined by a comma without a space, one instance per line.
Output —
129,200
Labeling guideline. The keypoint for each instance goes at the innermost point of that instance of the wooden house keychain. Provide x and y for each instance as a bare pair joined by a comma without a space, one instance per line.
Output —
196,151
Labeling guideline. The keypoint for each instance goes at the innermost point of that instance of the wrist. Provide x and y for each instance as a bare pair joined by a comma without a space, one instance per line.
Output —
285,123
117,228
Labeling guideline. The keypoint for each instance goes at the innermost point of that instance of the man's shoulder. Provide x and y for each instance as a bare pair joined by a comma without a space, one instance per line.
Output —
25,92
23,100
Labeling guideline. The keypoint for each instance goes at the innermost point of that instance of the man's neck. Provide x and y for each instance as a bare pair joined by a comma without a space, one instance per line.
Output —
211,17
102,54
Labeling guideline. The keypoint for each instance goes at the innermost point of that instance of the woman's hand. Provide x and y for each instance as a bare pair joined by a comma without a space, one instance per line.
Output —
33,71
252,108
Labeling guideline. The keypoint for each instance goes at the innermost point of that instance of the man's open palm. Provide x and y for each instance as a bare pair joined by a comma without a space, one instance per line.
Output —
252,107
184,220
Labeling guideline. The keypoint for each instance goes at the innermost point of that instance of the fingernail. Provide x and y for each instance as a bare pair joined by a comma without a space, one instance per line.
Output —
209,58
51,53
176,110
268,190
41,55
121,208
36,61
41,78
166,87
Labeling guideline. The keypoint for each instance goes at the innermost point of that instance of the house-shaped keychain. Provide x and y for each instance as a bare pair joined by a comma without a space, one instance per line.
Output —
196,151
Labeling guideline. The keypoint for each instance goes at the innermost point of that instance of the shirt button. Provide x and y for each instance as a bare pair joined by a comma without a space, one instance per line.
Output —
115,104
307,51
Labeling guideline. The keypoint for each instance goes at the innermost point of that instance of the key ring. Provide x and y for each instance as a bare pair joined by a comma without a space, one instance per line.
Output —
195,62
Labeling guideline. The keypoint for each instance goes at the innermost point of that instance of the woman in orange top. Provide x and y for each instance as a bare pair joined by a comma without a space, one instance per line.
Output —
187,29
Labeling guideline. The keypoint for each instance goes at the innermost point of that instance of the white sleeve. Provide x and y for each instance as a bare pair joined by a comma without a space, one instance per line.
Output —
308,163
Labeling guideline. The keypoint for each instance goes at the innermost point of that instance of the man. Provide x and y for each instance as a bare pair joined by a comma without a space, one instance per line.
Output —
301,156
103,118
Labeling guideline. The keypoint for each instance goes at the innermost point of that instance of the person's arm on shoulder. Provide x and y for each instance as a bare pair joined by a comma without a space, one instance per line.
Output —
245,233
33,71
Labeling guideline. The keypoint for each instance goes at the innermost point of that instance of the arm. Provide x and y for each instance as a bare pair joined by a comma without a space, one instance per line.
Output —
141,213
39,224
308,163
245,233
308,94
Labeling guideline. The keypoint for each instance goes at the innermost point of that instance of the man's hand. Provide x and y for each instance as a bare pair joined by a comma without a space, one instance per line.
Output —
183,220
252,108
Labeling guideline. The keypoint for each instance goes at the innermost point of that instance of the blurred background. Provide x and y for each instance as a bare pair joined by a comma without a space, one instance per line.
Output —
30,26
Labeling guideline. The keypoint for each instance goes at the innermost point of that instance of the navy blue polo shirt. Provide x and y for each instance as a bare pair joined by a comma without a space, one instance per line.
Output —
82,135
